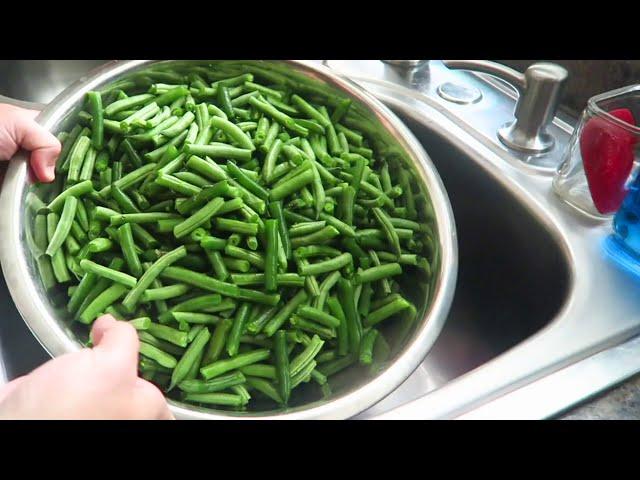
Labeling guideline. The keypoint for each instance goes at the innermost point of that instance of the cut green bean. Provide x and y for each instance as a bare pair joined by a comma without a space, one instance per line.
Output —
134,296
219,367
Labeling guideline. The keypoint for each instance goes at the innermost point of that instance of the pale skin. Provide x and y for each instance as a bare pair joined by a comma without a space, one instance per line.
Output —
92,383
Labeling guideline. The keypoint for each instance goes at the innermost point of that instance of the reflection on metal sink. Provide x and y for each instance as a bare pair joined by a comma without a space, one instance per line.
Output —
509,262
513,275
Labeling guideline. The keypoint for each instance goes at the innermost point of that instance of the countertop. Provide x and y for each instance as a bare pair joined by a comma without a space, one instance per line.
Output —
620,403
588,78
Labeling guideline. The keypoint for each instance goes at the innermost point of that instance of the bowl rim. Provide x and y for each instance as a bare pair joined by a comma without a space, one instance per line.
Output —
52,335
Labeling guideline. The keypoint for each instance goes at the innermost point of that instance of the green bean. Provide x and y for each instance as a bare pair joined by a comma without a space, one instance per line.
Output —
309,110
141,323
335,366
58,261
67,145
207,283
46,272
76,190
229,225
327,284
236,264
142,236
217,342
264,90
310,326
88,164
123,201
283,107
239,322
321,236
270,160
264,387
216,385
272,134
101,302
180,126
305,357
195,318
280,117
167,225
84,287
129,103
316,251
198,218
171,335
171,95
170,348
311,313
305,228
256,324
261,131
233,132
377,273
221,188
277,212
341,110
213,243
285,312
224,100
140,118
219,367
366,349
252,242
389,230
133,156
76,158
134,296
165,293
147,217
326,266
271,261
246,182
253,258
282,366
185,363
352,316
220,270
129,179
385,311
102,271
63,226
154,353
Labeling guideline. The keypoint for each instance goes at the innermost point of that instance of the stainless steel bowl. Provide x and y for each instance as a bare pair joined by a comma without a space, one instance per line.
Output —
53,329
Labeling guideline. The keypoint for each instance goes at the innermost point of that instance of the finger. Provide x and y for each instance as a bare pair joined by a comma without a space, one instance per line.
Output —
44,147
151,402
10,387
117,342
101,325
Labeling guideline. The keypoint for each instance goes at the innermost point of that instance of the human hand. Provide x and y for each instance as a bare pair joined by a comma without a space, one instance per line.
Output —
18,129
97,383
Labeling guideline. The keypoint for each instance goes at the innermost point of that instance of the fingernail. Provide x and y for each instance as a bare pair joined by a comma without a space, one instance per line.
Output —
51,173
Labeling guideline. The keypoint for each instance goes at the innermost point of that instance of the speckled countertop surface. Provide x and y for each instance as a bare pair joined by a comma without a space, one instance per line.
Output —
588,78
619,403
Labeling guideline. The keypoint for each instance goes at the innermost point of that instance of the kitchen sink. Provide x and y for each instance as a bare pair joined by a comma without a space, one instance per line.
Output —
535,298
508,262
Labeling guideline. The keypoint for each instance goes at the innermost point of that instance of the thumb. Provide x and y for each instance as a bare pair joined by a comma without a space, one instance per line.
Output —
117,342
28,134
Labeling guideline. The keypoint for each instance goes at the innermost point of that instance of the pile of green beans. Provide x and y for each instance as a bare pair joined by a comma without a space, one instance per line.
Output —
251,236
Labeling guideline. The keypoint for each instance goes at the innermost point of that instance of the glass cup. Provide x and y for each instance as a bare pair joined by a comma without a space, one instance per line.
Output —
601,161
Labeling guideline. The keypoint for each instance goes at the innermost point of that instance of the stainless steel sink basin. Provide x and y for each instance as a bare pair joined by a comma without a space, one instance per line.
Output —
509,262
540,319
